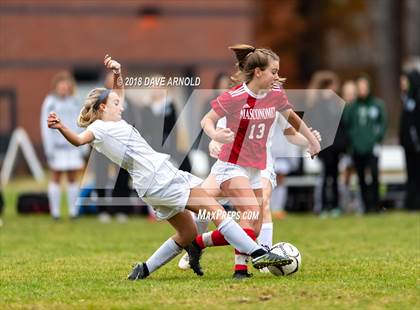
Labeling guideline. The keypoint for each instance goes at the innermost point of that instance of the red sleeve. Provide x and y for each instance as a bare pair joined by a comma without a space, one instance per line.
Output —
223,104
281,101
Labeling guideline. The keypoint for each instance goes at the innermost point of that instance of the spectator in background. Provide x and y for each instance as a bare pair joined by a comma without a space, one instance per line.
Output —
160,113
221,83
366,124
287,160
327,198
348,202
410,136
62,157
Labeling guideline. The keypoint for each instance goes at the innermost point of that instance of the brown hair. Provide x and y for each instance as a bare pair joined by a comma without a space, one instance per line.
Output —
249,58
89,114
64,76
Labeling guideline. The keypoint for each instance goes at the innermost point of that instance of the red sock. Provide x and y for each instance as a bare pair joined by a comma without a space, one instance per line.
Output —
218,238
241,259
211,238
215,238
199,241
251,233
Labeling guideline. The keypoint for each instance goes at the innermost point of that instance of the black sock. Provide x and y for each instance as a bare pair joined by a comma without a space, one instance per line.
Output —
258,252
195,244
178,244
146,270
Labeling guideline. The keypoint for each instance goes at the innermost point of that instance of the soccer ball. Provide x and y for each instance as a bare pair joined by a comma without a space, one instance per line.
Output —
282,248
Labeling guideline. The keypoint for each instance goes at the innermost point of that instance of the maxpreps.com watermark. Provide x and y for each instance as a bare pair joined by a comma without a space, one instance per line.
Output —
204,215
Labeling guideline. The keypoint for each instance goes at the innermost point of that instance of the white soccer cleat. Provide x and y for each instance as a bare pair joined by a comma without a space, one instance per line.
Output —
184,262
264,270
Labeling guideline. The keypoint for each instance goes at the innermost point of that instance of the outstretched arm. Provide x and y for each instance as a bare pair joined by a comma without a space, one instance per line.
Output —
299,125
115,66
84,137
296,138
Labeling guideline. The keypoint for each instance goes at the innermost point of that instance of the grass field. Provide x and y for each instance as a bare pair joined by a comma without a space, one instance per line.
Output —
352,262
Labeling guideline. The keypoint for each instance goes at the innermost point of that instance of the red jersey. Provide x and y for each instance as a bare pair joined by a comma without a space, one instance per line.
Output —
250,117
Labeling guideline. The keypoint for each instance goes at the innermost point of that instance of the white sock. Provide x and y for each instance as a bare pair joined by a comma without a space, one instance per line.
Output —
72,194
207,240
278,198
241,259
167,251
266,235
235,235
54,195
202,225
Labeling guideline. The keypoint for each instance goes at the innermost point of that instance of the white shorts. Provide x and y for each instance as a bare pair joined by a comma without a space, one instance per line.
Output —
171,198
270,175
66,159
285,165
225,171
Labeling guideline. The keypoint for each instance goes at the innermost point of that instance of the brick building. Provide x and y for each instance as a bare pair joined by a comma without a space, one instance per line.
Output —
190,38
38,39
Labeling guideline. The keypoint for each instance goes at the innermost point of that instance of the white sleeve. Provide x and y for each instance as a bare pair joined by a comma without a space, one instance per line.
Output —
221,123
97,130
47,141
282,122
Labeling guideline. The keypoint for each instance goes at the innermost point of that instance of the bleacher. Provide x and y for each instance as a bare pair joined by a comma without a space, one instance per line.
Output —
392,177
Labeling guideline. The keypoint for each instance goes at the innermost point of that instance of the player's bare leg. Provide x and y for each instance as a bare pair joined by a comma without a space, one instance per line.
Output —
265,236
186,231
231,232
213,190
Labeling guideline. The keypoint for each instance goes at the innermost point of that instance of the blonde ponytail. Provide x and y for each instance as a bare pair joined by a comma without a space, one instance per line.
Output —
89,114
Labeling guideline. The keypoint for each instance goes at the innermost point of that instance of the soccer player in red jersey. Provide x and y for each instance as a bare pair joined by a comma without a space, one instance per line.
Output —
250,109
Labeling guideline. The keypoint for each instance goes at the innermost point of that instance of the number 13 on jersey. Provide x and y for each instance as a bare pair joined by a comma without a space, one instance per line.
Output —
259,131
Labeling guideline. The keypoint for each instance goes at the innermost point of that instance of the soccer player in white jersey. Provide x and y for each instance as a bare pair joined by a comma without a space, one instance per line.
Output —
250,109
168,190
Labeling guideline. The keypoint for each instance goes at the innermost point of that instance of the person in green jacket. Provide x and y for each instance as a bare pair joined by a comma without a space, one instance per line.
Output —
366,124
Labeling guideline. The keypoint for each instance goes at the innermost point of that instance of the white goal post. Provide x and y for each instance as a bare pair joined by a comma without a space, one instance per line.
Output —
20,139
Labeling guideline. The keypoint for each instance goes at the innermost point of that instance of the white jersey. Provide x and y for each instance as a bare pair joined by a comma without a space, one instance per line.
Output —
68,108
61,154
123,144
277,142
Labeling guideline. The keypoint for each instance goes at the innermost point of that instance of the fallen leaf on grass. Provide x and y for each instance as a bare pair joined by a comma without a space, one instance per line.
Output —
265,297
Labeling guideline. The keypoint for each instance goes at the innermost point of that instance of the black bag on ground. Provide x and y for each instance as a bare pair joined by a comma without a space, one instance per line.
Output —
33,203
300,198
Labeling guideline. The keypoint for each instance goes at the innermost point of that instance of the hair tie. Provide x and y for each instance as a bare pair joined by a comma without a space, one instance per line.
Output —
102,97
252,51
